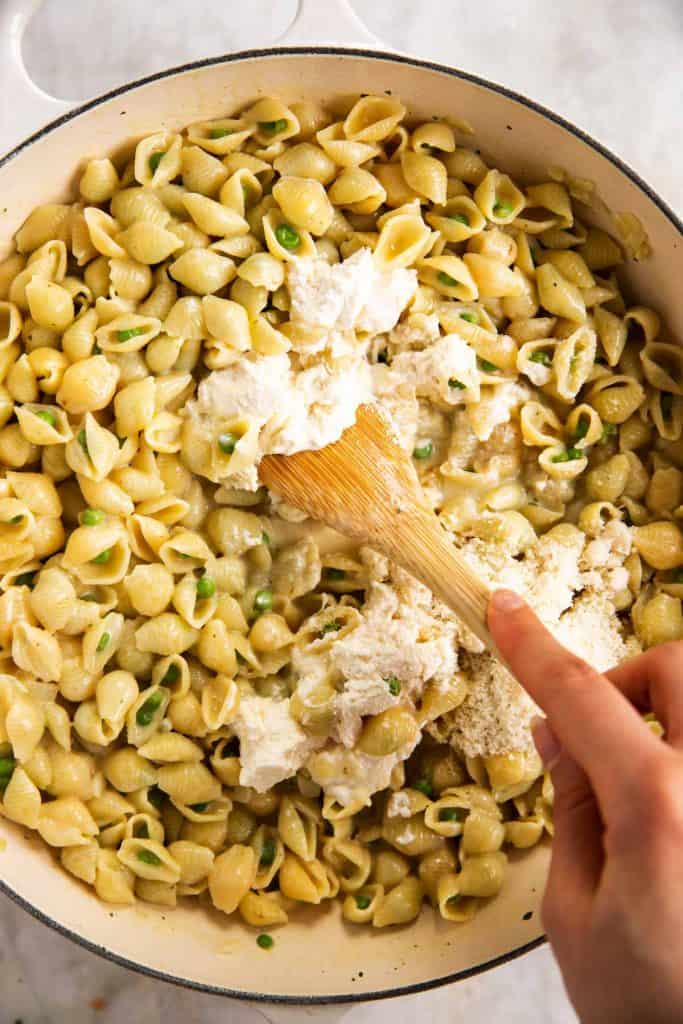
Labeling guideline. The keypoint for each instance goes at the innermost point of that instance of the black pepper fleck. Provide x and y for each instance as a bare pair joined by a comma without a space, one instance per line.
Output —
529,914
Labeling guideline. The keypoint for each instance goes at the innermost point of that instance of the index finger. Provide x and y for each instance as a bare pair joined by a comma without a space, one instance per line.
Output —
591,718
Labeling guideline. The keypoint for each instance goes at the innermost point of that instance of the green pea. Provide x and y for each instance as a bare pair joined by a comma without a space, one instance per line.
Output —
488,367
667,404
263,601
7,766
394,684
47,416
458,384
330,627
268,851
424,786
539,356
219,133
156,159
129,332
15,520
273,127
471,318
88,597
363,902
25,579
205,587
265,941
199,808
460,217
227,442
102,558
171,676
265,537
570,455
446,279
423,451
91,517
103,642
502,208
608,430
146,712
287,236
335,574
453,814
82,440
581,428
147,857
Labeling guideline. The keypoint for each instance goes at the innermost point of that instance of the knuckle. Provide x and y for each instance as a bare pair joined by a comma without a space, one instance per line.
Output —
657,807
574,673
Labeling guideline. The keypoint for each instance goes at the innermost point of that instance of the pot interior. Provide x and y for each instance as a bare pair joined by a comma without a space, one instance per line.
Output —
317,956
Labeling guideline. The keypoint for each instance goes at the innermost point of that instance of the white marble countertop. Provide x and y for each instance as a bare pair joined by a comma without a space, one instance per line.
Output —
612,67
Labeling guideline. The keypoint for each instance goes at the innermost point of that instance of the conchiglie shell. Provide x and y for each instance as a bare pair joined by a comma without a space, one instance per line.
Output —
66,822
373,118
171,748
449,275
344,151
359,190
425,175
37,652
304,202
221,136
403,240
42,224
168,166
10,323
213,217
493,278
147,242
268,111
139,204
304,250
25,720
220,702
186,319
306,160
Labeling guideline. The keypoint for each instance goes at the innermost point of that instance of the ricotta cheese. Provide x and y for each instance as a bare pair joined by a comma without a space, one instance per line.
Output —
273,746
445,372
290,411
353,295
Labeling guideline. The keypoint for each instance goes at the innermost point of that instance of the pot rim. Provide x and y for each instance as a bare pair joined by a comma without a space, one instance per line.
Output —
316,51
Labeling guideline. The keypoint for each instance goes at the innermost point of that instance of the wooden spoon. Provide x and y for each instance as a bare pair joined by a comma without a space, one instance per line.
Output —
365,486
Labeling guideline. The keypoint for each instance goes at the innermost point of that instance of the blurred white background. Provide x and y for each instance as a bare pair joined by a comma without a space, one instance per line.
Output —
612,67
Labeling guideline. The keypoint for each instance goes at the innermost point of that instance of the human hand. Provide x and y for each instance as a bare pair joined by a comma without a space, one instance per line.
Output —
613,906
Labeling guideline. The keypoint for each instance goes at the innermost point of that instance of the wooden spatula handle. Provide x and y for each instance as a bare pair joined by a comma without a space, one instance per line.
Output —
420,544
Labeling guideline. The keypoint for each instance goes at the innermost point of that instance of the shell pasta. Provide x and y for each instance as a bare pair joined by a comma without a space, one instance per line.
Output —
205,694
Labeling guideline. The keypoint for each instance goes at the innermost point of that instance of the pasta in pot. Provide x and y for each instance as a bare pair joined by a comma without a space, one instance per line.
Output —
205,694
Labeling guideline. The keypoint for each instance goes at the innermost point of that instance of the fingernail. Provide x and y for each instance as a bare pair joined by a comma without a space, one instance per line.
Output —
547,744
506,601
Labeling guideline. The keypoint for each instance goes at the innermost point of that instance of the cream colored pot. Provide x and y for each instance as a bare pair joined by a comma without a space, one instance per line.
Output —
317,959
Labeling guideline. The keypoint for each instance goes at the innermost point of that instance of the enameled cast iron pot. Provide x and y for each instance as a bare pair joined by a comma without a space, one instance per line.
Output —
317,959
